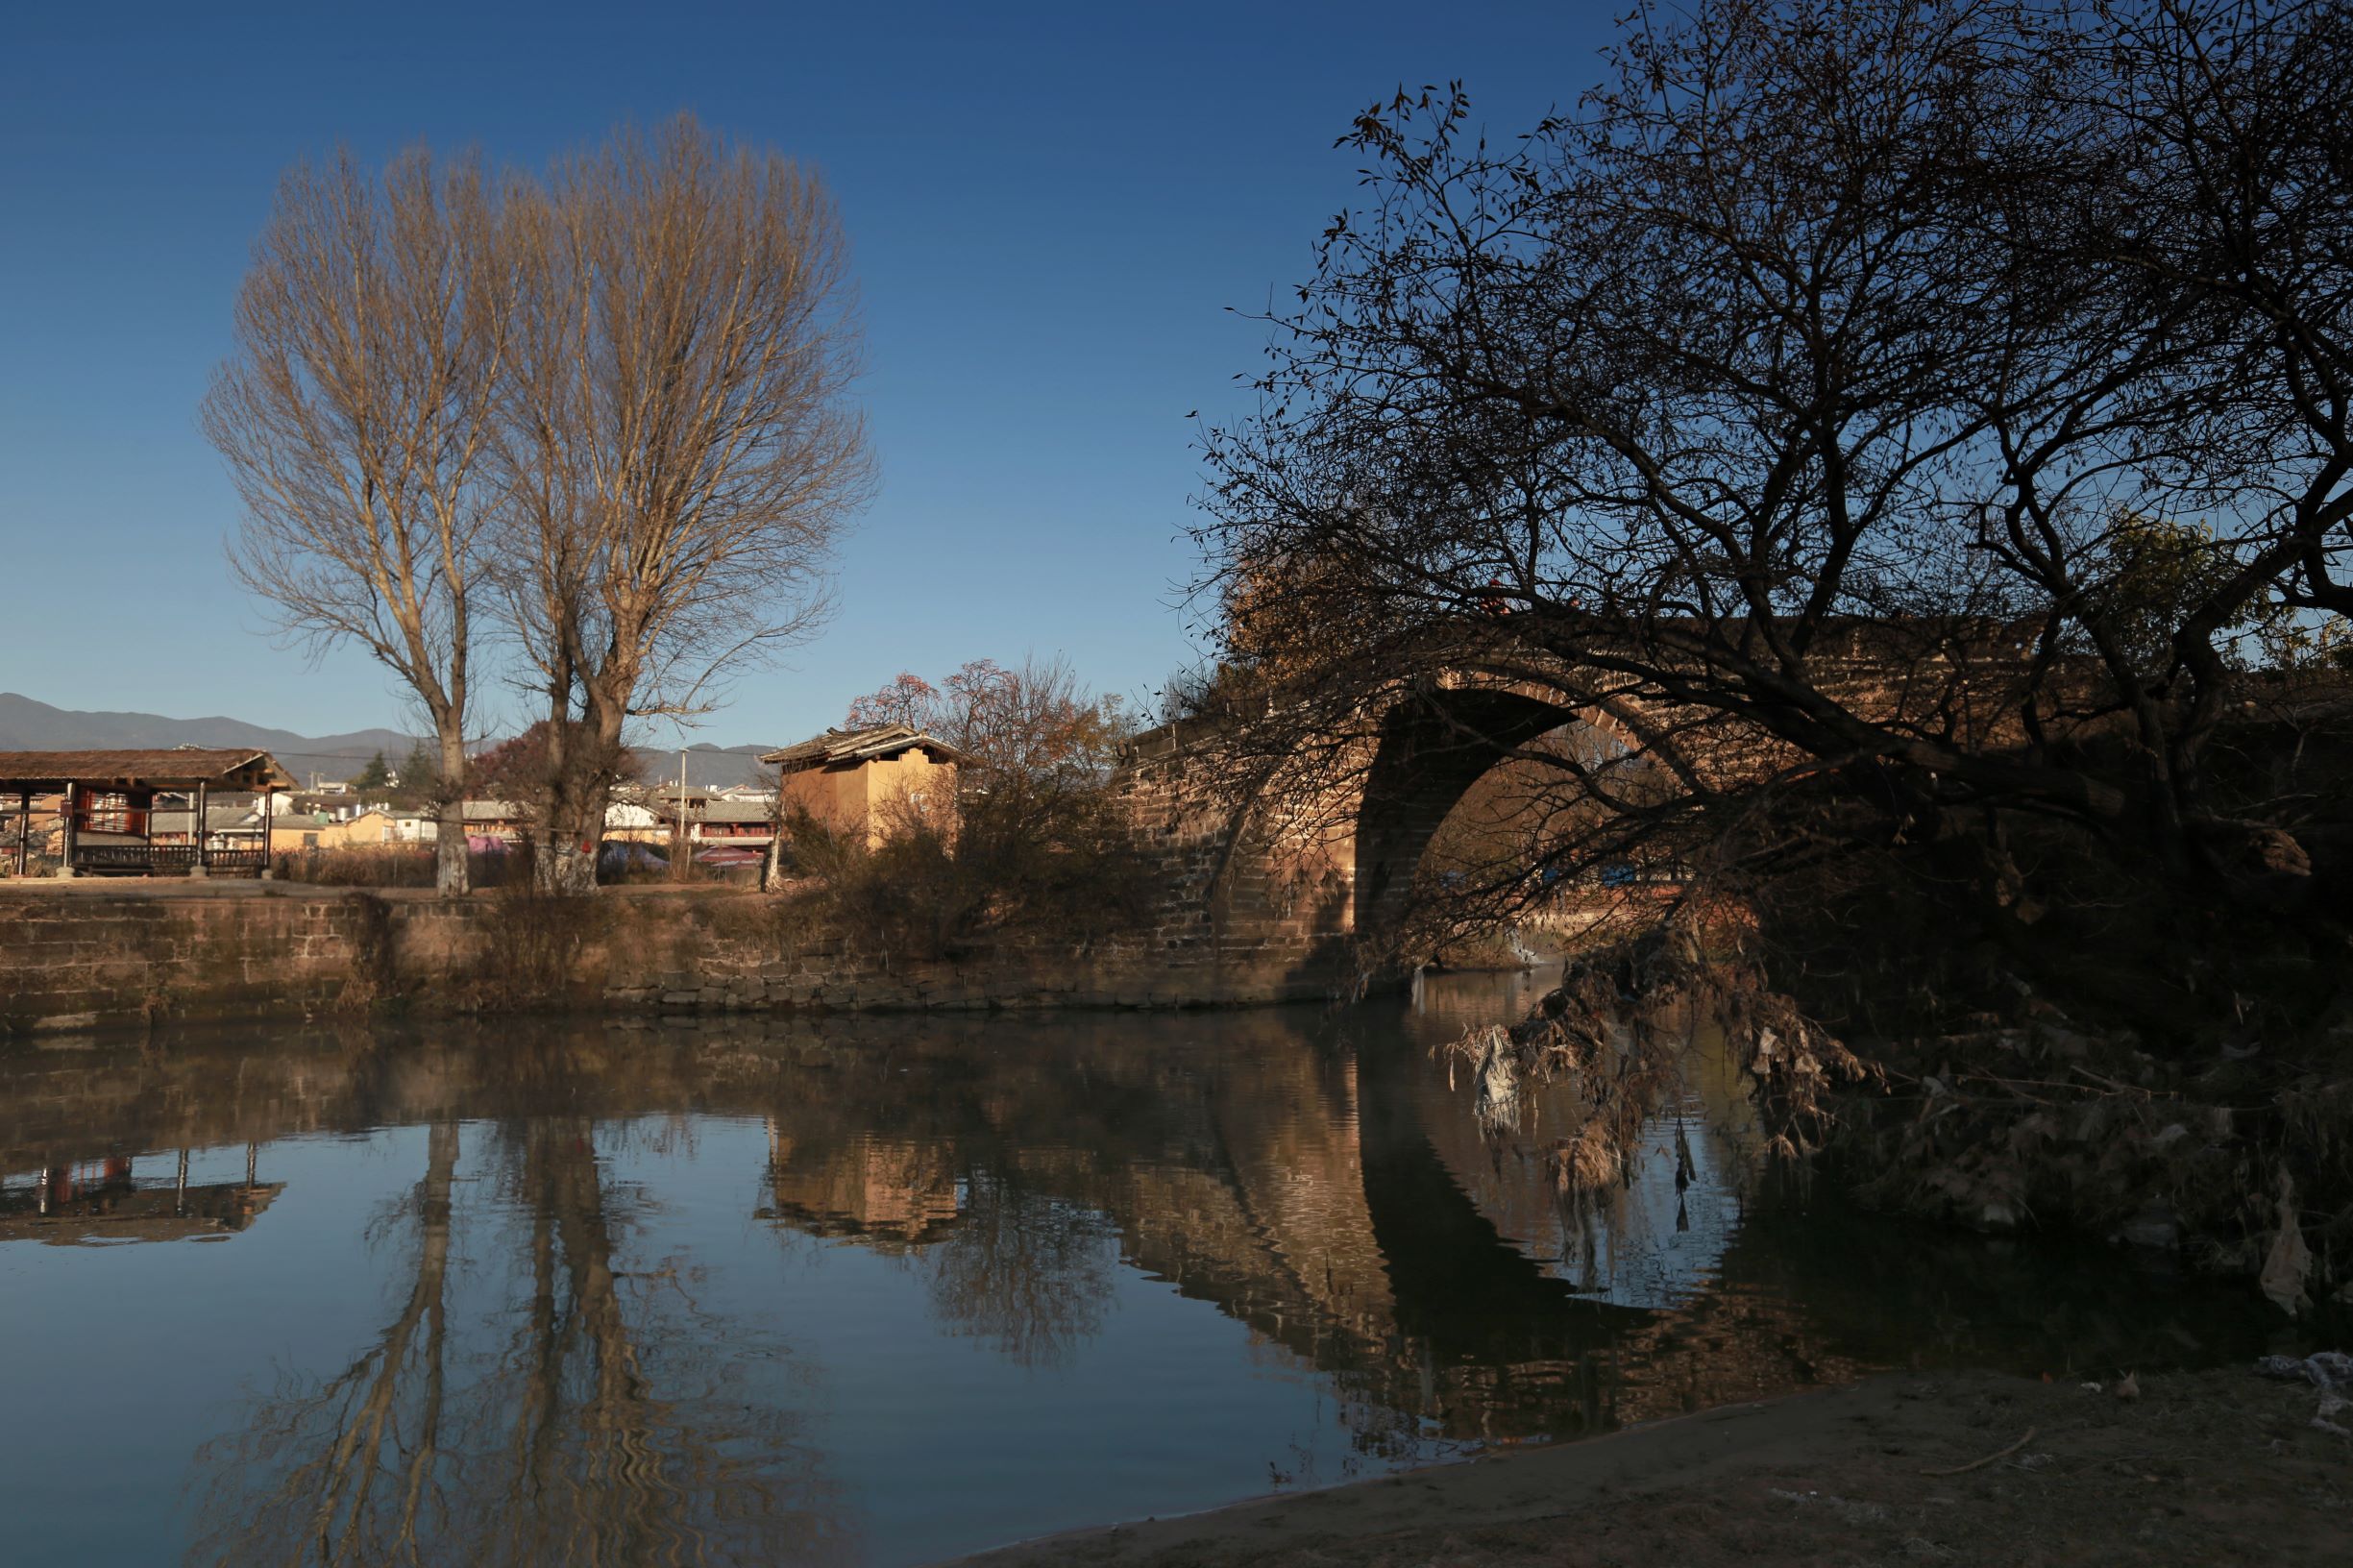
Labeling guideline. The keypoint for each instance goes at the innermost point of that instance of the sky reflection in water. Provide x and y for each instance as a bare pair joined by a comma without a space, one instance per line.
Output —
886,1290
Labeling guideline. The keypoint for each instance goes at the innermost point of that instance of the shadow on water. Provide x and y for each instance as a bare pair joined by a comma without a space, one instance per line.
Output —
750,1292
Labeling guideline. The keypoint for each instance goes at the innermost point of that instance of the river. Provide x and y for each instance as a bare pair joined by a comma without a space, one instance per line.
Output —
884,1290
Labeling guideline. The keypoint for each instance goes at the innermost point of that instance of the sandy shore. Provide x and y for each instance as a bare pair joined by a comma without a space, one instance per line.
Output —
2210,1467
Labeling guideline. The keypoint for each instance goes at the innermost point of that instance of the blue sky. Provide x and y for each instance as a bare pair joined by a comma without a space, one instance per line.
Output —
1053,211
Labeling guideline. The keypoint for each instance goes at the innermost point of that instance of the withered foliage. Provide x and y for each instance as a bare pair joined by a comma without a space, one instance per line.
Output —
678,444
1622,1024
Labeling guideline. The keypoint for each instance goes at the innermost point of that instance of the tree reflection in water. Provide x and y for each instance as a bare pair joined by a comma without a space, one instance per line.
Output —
1024,1269
596,1418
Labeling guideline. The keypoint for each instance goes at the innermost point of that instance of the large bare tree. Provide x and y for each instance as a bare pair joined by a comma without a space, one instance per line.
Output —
1924,404
357,415
680,448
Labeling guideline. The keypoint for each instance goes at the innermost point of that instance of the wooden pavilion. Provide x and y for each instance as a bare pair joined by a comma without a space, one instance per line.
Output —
105,807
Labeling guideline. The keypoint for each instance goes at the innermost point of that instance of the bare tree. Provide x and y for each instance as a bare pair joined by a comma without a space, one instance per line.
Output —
679,452
1891,411
356,416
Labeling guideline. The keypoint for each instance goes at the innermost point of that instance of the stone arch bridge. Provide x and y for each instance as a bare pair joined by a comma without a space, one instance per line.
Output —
1290,911
1282,908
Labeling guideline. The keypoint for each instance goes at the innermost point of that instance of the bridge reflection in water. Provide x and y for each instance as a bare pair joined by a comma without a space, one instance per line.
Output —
573,1356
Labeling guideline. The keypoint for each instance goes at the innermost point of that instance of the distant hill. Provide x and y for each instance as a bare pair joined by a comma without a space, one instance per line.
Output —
28,725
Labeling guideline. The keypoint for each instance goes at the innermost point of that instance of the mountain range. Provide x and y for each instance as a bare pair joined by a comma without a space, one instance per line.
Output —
30,726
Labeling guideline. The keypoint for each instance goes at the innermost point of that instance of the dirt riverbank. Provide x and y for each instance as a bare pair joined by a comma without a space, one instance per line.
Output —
2208,1467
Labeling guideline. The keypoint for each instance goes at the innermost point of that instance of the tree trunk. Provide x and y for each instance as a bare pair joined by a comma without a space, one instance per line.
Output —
576,833
451,875
563,866
571,810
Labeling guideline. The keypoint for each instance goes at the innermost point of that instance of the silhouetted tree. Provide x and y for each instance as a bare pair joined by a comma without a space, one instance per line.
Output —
1806,399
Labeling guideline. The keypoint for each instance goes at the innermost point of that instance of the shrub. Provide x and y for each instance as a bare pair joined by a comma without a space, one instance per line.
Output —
1035,844
532,944
1012,861
390,866
393,866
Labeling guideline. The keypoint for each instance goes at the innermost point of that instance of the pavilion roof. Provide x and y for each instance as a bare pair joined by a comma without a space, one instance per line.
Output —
841,747
171,767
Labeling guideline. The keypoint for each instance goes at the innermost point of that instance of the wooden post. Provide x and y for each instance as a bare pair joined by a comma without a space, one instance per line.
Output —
65,836
24,835
196,831
269,815
139,807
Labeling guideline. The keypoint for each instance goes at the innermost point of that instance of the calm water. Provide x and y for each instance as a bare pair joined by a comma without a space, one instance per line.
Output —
890,1290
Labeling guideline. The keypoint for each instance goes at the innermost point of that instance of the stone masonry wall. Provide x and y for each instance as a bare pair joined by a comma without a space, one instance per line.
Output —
92,958
80,956
1240,907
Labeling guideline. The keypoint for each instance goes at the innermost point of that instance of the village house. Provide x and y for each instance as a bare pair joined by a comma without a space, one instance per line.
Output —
495,824
370,827
864,781
631,821
733,832
233,824
734,819
736,822
653,812
298,830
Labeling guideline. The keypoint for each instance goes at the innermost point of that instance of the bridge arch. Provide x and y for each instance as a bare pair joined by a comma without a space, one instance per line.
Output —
1430,752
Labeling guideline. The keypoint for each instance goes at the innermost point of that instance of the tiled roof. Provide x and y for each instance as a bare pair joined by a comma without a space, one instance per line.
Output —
218,819
169,768
738,811
838,746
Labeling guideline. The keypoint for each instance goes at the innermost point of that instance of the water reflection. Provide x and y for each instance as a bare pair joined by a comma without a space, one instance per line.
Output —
99,1202
578,1413
752,1292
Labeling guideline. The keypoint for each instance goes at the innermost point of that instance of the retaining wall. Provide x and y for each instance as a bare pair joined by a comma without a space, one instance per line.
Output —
80,956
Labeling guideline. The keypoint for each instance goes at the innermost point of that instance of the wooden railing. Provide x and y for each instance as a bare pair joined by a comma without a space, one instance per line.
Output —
163,860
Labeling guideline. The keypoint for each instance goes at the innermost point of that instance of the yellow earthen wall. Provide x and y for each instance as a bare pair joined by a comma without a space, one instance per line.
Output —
848,799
